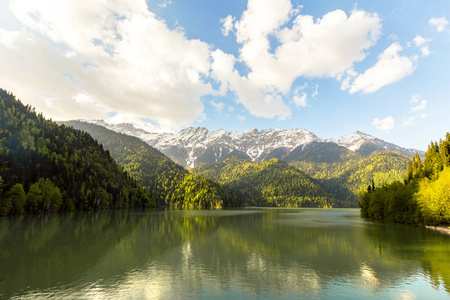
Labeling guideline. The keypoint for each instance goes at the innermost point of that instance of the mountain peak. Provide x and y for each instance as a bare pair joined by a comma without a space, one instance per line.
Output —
366,144
197,145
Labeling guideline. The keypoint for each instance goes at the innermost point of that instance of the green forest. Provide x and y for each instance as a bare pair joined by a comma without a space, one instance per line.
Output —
423,197
51,168
269,183
344,173
168,182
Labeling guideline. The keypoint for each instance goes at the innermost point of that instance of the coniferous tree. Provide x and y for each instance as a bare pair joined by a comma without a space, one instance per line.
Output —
60,168
423,197
416,167
409,173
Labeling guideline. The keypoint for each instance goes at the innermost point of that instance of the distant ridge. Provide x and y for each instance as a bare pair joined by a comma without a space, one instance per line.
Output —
196,146
366,144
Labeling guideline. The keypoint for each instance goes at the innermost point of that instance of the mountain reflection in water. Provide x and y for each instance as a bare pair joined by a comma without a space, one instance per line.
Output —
299,253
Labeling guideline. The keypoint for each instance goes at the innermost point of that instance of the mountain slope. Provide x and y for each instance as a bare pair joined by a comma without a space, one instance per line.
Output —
62,169
196,146
366,144
345,178
168,182
269,183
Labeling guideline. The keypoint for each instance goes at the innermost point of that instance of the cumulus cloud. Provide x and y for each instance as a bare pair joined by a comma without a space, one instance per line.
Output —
227,25
300,100
386,124
118,58
438,23
324,47
117,54
420,41
389,68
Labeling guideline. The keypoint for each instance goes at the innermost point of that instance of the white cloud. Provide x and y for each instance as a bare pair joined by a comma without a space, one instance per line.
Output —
218,107
259,103
227,24
164,3
418,103
421,42
385,124
409,121
300,100
241,118
412,119
316,91
301,87
439,23
323,47
350,74
390,67
103,51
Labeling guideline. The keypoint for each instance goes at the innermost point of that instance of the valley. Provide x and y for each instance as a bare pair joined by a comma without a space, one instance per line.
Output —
287,168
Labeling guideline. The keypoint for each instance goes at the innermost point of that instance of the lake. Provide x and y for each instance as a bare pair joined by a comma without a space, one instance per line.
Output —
244,253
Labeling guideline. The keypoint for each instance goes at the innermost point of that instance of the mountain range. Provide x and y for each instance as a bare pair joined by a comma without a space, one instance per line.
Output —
263,168
195,146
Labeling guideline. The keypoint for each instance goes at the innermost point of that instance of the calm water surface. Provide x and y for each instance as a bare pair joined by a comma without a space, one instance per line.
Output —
246,253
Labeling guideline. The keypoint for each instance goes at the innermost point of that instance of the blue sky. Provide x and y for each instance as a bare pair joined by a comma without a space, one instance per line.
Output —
333,67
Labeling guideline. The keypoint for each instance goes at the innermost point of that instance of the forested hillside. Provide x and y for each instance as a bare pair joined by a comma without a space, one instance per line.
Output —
170,183
422,197
269,183
52,168
344,173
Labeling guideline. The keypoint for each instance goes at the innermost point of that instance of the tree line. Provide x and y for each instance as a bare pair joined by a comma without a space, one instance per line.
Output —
269,183
52,168
168,182
423,197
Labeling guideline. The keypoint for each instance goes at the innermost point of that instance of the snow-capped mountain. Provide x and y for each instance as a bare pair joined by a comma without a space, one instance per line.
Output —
366,144
197,145
194,146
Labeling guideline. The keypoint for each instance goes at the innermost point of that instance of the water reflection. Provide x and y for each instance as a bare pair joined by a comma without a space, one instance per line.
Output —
220,254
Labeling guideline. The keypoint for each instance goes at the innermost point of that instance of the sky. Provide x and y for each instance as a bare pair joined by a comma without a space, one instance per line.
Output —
331,67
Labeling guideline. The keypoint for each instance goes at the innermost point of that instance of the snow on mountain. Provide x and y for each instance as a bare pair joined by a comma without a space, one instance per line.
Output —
194,143
197,145
366,144
256,144
355,140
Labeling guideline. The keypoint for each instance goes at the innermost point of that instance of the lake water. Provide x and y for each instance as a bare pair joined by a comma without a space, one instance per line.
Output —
229,254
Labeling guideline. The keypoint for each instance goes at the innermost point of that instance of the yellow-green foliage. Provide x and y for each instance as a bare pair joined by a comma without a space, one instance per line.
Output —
344,179
270,183
424,197
170,183
433,198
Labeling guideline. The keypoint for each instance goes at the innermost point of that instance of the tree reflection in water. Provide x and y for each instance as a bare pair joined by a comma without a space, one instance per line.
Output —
219,253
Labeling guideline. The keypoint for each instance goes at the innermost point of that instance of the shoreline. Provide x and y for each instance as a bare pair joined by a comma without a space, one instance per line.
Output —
441,229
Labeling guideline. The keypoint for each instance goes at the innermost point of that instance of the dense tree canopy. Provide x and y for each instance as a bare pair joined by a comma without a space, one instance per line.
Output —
270,183
422,197
346,175
60,168
170,183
